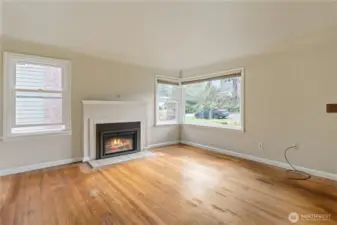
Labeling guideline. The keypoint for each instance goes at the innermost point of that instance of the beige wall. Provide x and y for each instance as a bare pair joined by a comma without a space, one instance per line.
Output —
286,93
286,96
94,79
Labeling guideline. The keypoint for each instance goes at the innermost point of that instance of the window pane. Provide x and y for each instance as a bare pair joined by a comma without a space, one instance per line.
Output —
167,91
34,108
214,102
167,104
37,77
167,111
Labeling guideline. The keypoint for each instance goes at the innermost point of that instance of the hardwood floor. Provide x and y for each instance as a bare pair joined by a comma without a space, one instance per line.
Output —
184,186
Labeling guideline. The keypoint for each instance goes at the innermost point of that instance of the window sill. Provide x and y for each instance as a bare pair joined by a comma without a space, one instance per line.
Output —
14,137
233,128
166,123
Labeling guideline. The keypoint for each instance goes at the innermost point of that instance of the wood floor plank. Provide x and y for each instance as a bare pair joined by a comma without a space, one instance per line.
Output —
185,185
34,195
49,194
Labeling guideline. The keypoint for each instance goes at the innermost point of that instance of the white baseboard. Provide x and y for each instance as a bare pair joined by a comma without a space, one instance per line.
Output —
283,165
162,144
22,169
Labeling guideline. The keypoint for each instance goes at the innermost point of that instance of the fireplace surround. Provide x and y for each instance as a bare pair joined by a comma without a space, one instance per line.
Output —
115,139
102,112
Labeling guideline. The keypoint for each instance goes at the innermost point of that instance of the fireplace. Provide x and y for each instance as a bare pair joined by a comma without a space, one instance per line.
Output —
114,139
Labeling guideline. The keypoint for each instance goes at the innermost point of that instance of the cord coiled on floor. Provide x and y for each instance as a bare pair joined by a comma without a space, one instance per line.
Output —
302,175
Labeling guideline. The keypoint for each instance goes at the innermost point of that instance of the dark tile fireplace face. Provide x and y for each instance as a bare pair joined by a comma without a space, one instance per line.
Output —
114,139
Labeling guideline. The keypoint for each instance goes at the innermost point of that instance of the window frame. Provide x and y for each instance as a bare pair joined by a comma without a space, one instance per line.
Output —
9,112
181,100
214,75
178,101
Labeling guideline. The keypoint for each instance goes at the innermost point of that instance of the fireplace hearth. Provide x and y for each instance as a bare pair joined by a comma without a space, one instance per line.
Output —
115,139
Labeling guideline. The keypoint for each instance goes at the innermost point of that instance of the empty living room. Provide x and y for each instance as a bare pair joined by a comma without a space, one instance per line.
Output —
168,112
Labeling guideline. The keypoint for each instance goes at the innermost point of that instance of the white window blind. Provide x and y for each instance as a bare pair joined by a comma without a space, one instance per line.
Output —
38,94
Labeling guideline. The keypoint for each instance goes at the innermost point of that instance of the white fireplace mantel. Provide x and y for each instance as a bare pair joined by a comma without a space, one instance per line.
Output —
98,112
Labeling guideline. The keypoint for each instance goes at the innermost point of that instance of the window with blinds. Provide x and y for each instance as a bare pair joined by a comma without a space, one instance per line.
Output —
37,94
167,98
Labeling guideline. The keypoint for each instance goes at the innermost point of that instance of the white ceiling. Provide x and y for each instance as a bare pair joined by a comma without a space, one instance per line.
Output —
169,36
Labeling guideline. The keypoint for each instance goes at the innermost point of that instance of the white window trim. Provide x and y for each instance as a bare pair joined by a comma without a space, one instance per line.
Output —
181,103
156,101
8,85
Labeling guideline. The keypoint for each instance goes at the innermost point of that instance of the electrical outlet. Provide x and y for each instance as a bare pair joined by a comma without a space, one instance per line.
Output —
261,145
295,146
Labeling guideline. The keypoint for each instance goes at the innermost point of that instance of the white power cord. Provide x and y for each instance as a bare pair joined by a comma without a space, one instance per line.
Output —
302,175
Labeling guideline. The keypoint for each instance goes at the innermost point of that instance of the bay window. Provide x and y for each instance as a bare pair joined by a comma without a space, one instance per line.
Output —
213,100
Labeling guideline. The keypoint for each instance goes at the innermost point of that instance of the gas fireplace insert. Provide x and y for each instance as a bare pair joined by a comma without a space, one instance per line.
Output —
114,139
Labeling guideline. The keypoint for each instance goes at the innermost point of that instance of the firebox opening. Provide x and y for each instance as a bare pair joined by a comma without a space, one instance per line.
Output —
119,141
118,144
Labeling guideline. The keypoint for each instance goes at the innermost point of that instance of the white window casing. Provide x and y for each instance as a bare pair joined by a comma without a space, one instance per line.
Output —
36,97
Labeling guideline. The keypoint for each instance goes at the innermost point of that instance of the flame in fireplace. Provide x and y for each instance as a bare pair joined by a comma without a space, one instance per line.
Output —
117,141
118,144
